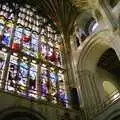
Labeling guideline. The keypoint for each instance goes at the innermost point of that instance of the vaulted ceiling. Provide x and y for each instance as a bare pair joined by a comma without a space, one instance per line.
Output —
83,4
61,12
110,62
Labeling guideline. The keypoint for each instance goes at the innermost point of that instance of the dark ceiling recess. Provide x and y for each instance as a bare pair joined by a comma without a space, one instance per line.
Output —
20,116
113,3
88,25
110,62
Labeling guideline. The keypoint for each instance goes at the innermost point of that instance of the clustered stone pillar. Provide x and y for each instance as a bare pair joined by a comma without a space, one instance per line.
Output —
89,90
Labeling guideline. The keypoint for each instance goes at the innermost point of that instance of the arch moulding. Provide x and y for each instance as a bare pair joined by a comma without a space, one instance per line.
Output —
92,50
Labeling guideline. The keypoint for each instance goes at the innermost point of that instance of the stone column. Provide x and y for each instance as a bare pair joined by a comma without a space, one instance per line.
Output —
89,91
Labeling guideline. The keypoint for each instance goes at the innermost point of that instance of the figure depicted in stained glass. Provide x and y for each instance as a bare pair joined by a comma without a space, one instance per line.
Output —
50,54
26,41
12,77
18,34
32,81
62,96
12,74
16,46
23,76
44,86
43,51
34,44
58,60
8,33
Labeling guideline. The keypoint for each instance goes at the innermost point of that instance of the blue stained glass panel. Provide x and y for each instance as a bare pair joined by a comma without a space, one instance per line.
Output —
53,75
18,34
62,96
44,85
53,79
23,77
7,34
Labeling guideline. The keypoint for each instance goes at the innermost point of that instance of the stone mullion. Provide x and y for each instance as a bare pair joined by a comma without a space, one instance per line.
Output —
5,70
68,60
66,74
49,96
39,84
69,77
29,60
39,87
64,64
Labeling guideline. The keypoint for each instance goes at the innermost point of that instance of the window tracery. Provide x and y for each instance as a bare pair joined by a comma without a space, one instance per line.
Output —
27,47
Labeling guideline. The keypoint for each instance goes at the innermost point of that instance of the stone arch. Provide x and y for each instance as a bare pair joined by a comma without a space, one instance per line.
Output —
114,115
91,52
96,45
107,74
20,112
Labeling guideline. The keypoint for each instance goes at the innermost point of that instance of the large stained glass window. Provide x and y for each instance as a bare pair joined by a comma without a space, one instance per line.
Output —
30,55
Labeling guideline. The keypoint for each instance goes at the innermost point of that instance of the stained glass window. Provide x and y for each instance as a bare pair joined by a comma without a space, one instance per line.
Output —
18,34
34,44
33,80
62,91
25,46
53,83
2,63
43,50
8,33
2,22
26,41
12,74
23,76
